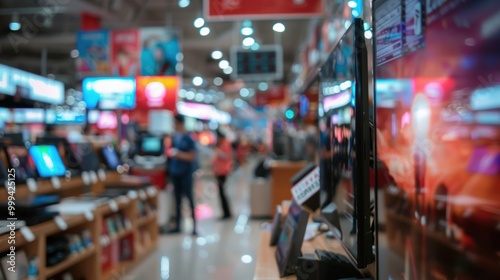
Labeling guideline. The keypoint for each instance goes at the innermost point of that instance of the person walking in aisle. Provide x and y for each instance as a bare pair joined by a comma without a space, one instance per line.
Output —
222,166
182,156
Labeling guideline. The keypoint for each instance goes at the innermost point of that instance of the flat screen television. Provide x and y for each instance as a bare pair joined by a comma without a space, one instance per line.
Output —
47,161
19,159
290,239
89,161
343,81
437,78
109,93
110,157
70,157
151,146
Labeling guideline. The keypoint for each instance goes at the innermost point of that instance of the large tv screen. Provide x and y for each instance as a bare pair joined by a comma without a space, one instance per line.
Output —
109,93
345,143
438,134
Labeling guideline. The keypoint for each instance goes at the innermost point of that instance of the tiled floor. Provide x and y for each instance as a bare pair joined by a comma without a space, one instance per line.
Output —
223,250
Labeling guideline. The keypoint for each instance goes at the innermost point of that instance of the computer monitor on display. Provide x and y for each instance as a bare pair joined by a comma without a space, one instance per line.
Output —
151,146
345,144
47,161
18,159
89,159
290,239
70,157
110,157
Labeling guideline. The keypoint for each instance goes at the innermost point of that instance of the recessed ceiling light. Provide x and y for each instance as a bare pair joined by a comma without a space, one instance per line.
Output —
223,64
255,46
204,31
248,41
352,4
199,22
228,70
197,81
279,27
216,54
247,31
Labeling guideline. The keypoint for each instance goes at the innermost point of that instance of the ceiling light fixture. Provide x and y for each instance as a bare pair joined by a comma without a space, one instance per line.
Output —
352,4
204,31
255,46
263,86
197,81
15,25
228,70
216,54
184,3
223,64
248,41
218,81
247,31
199,22
279,27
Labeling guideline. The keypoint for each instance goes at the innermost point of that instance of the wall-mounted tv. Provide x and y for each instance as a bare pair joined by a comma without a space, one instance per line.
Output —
109,93
261,65
345,135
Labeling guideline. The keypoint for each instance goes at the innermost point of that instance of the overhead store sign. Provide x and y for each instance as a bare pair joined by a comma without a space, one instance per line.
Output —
157,92
27,85
262,9
263,64
274,96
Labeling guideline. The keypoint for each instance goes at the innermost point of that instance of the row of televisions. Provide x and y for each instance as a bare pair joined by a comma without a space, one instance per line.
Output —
52,157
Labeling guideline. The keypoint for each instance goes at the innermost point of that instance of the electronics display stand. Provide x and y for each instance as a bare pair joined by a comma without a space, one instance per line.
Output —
325,265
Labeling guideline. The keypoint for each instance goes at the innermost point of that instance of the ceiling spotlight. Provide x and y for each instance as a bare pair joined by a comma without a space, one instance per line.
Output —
228,70
255,46
184,3
74,53
223,64
279,27
352,4
248,41
204,31
247,31
218,81
15,25
199,97
199,22
216,54
197,81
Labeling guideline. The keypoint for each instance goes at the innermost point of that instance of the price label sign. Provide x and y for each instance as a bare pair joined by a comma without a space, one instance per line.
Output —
307,187
132,194
32,186
61,223
93,177
56,183
27,234
102,174
124,199
113,206
86,178
142,194
89,216
151,191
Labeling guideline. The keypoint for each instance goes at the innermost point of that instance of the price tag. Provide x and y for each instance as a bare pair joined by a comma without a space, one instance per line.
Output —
132,194
56,183
61,223
27,234
124,199
142,194
113,205
89,216
31,183
306,187
151,191
102,174
86,178
93,177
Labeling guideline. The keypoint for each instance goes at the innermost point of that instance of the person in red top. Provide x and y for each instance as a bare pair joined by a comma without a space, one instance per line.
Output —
222,166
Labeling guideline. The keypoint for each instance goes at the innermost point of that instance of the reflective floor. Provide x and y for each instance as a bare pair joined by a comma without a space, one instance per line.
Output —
222,250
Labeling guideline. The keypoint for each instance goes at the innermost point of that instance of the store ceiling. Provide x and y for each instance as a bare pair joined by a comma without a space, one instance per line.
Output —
58,37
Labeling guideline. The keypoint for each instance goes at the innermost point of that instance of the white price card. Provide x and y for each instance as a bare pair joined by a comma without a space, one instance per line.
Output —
86,178
306,187
113,205
27,234
31,183
56,183
151,191
102,174
61,223
124,199
132,194
142,194
89,216
93,177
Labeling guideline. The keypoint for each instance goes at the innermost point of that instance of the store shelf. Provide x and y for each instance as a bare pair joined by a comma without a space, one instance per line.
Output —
70,261
120,235
147,219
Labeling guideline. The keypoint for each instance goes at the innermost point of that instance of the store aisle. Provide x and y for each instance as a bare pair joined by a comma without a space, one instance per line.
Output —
222,250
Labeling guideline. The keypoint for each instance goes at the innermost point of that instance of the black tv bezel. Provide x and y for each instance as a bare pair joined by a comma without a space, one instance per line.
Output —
156,154
364,254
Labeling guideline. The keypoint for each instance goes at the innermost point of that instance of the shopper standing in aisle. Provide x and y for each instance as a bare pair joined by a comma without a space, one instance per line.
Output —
222,166
182,156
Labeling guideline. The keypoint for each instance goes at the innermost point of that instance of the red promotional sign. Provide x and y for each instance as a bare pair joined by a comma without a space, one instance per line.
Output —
125,51
157,92
274,96
238,9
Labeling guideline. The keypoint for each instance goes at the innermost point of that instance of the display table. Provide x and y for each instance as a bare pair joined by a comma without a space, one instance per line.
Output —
266,267
281,174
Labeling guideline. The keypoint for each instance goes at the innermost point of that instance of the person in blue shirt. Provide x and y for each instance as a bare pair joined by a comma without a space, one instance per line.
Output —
182,156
